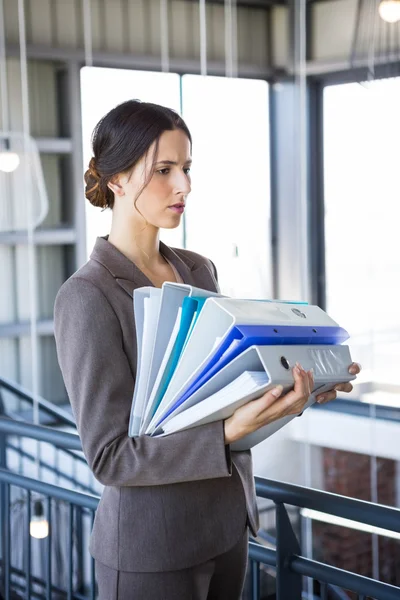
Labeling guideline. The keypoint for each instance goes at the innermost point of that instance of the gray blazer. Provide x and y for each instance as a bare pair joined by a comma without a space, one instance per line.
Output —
168,503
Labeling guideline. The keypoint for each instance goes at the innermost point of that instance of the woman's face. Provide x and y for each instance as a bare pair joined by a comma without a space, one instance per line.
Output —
163,200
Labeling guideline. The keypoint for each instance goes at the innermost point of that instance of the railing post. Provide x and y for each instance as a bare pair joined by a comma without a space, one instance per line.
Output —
255,579
79,549
288,583
3,515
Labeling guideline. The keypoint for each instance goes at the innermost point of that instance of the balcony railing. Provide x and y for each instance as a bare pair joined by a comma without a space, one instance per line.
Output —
286,559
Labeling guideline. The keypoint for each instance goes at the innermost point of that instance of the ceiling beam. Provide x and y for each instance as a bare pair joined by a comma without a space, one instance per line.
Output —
262,4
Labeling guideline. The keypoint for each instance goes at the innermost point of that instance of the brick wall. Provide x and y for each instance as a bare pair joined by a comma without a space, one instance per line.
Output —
348,473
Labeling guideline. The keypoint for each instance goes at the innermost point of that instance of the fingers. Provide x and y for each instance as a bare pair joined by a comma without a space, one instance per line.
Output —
272,406
343,387
332,395
294,401
263,403
326,397
355,368
303,379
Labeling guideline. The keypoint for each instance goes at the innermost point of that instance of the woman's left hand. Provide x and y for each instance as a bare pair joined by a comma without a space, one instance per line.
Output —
354,369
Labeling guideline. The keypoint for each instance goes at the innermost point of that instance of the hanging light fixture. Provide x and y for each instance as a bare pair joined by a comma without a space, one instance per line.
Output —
9,160
39,526
376,38
389,10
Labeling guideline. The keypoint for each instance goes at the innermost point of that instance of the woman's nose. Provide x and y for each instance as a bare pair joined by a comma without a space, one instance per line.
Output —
182,184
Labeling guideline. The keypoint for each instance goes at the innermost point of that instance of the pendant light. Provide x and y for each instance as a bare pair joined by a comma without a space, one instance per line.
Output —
9,160
376,38
38,516
39,526
389,10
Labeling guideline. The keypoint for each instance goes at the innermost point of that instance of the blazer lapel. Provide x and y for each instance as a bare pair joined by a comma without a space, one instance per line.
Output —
130,277
192,274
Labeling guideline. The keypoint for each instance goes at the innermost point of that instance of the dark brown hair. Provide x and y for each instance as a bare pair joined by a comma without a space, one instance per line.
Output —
120,139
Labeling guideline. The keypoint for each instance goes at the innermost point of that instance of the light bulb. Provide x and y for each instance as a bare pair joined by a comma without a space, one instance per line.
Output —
389,10
9,161
39,526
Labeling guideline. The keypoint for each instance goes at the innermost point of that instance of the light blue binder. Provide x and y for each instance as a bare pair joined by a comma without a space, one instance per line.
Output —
191,308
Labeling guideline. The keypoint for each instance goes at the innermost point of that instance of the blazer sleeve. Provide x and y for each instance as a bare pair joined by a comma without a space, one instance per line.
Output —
215,273
100,384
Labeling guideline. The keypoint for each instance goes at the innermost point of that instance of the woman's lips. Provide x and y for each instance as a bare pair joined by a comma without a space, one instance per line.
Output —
178,208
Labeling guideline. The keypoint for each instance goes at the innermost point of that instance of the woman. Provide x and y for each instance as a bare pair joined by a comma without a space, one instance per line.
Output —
173,519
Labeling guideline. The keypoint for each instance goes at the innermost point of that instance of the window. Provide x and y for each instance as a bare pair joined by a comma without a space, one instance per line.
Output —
102,89
228,213
362,215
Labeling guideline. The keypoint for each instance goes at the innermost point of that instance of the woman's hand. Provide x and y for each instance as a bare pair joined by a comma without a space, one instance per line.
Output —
354,369
268,408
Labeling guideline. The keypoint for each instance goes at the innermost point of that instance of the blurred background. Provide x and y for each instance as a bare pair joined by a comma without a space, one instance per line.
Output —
294,109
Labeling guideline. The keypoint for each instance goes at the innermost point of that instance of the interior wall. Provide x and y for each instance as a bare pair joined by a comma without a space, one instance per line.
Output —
330,36
15,358
332,33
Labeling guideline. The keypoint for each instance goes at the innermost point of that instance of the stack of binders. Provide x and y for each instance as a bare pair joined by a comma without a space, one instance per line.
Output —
202,355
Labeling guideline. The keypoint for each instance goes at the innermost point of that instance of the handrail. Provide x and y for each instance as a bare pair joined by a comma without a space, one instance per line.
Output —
38,582
44,405
351,581
385,517
81,499
61,439
382,412
358,510
378,515
46,466
327,574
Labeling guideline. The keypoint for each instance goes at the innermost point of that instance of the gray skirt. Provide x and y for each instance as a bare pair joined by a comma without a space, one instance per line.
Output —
221,578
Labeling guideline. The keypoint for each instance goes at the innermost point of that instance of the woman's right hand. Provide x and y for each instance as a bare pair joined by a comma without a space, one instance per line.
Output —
270,407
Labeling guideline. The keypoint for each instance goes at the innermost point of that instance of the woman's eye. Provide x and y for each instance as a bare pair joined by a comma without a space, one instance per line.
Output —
164,171
187,170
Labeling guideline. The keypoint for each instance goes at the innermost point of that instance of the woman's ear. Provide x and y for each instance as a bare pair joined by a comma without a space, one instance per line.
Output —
115,186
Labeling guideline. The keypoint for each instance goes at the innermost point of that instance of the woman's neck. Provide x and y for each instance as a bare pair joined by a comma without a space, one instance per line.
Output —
137,241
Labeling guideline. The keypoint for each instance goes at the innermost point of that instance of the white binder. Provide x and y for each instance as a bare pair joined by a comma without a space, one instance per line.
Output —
140,298
330,364
170,298
218,317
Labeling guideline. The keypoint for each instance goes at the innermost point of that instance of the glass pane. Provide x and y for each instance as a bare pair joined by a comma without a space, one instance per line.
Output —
228,214
362,212
102,89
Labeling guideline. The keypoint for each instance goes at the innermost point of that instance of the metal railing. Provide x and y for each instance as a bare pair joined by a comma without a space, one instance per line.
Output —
58,417
77,502
80,509
287,559
49,408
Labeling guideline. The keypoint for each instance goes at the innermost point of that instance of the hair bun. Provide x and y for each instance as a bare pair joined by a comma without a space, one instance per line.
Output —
93,189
